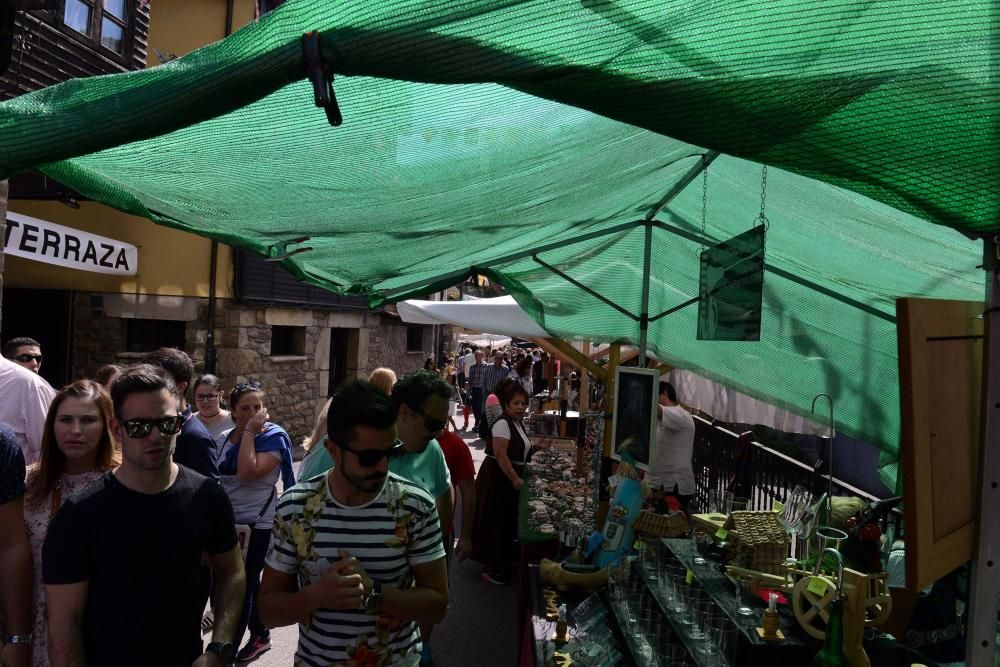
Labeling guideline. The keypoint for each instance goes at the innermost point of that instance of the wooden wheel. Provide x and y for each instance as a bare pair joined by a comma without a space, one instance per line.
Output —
877,611
812,611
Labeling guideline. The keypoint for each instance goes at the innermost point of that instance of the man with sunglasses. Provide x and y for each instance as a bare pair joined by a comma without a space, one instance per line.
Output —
422,400
355,556
24,351
195,447
121,559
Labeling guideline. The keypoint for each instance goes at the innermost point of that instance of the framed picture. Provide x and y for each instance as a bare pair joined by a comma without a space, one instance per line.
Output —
634,419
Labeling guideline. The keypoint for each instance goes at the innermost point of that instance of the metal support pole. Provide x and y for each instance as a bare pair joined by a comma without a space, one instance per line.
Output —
644,311
985,584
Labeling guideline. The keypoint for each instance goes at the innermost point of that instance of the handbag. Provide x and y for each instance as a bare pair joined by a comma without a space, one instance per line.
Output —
245,530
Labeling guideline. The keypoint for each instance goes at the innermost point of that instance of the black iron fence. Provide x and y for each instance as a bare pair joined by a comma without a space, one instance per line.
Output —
725,461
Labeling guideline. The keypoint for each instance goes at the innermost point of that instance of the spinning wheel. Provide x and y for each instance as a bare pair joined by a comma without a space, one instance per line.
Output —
812,611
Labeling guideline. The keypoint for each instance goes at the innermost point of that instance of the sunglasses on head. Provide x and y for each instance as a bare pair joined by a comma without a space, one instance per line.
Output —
28,357
247,386
371,457
140,428
431,423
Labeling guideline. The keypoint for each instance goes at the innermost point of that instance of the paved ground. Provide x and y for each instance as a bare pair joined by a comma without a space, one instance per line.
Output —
480,629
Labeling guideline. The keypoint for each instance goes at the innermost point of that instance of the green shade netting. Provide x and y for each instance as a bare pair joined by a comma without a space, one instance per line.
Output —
566,119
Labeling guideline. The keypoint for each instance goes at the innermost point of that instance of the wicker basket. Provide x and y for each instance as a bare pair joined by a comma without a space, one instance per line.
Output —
661,525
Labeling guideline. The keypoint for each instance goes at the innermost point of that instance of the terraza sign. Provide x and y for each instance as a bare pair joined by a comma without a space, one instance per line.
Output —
45,241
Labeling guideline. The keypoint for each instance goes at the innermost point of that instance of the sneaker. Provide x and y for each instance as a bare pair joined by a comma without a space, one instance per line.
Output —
494,578
255,647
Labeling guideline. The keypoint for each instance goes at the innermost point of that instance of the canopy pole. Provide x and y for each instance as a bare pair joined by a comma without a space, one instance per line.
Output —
576,283
706,159
985,583
644,312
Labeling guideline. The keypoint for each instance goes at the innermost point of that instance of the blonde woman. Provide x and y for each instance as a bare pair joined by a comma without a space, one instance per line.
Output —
318,460
383,378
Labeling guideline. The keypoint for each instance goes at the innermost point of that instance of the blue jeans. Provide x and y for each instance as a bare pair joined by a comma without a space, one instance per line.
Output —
256,552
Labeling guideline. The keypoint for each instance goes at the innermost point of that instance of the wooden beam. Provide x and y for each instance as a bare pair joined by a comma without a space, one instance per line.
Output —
614,359
585,380
570,354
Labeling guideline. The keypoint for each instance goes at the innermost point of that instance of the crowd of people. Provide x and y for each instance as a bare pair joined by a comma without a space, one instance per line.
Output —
132,523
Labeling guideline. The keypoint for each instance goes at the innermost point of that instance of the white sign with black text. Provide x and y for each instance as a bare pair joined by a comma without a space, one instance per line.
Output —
45,241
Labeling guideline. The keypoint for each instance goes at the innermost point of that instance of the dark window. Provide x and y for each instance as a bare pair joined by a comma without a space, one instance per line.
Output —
102,22
259,281
414,339
148,335
288,341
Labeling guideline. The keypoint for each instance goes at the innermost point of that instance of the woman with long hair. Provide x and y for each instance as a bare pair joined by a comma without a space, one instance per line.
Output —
383,378
77,448
211,413
253,455
500,477
318,460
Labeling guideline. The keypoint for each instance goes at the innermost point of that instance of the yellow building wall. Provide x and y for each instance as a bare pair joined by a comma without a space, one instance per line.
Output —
178,27
171,262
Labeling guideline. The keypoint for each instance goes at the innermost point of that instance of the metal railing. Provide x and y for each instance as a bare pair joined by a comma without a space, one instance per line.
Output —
723,461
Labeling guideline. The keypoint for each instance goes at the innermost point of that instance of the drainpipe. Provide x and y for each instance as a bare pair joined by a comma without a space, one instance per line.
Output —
210,355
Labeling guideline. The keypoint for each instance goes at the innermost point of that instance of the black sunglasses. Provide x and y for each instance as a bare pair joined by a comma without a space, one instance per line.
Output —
28,357
371,457
431,423
140,428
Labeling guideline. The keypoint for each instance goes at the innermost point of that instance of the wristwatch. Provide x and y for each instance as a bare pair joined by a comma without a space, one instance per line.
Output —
18,639
225,651
373,601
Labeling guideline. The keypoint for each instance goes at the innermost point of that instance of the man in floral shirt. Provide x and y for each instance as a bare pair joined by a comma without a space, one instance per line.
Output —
356,557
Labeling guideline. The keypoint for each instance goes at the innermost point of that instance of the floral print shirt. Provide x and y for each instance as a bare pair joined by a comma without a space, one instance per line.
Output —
389,535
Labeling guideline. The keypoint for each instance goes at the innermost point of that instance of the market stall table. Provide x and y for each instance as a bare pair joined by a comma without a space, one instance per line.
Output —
536,646
882,650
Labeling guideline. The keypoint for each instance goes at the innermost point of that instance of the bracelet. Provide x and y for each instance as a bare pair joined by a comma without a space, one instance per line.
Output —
18,639
250,432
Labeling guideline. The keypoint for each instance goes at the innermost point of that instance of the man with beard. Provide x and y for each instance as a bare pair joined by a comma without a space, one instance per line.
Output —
356,556
120,562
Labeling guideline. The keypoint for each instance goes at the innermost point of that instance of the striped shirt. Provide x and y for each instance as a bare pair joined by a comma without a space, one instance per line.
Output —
389,535
25,402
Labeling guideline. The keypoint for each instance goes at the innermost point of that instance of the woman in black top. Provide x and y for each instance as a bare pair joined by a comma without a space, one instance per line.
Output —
499,481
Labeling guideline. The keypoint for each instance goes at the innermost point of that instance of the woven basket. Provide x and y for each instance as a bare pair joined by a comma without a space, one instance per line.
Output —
661,525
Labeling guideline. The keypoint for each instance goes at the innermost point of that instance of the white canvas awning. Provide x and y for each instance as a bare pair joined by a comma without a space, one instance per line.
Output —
498,315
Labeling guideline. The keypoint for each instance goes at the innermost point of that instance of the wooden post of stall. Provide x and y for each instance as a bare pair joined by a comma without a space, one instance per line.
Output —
614,358
583,407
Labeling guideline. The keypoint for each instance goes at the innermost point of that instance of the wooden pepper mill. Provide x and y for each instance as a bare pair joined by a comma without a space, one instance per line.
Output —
770,631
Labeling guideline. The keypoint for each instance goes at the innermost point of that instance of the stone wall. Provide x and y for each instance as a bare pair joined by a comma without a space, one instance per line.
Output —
387,345
296,385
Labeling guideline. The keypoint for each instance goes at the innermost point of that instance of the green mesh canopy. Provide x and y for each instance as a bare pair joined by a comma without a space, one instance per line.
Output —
478,134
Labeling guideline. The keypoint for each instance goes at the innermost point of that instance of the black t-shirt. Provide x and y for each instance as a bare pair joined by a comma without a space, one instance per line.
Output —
195,448
140,555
